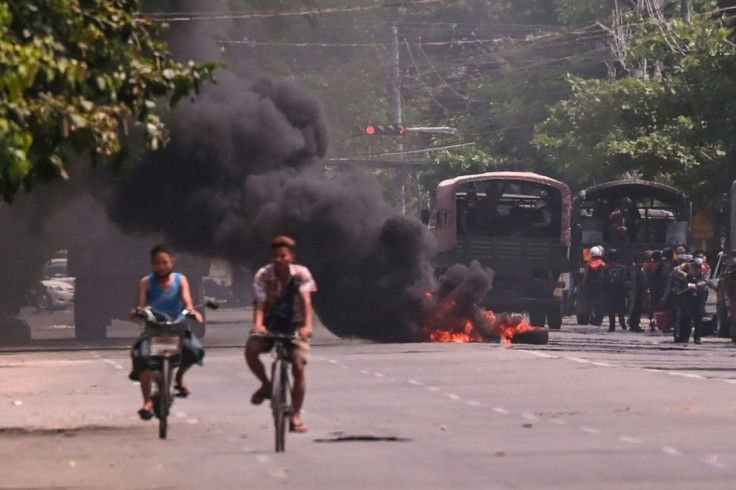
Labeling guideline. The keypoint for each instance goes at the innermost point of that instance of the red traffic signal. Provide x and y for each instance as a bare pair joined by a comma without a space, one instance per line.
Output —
389,130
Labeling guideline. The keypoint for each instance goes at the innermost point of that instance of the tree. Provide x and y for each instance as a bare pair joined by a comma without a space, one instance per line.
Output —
75,75
676,125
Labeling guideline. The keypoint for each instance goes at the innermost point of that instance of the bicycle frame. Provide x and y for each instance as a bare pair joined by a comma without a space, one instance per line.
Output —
165,340
281,407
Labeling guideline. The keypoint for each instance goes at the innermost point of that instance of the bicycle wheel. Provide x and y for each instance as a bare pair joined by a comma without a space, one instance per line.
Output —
278,405
164,398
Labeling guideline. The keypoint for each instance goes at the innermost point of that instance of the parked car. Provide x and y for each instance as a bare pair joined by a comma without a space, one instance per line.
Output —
54,294
56,288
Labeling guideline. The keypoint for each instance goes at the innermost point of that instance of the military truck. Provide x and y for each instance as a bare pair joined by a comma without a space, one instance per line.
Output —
516,223
660,217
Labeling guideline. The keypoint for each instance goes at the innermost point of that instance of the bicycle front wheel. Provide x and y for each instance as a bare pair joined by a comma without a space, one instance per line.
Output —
164,398
278,405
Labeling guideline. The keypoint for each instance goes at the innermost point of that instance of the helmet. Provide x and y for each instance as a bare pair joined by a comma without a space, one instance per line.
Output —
596,251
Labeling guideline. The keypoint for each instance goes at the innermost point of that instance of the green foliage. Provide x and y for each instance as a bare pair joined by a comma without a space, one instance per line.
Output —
74,74
677,127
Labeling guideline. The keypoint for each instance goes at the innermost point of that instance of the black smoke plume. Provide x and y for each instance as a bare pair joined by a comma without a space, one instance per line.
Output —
245,165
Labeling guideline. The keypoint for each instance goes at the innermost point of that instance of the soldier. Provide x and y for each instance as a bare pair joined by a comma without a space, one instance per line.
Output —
614,289
699,270
656,277
590,292
682,296
637,290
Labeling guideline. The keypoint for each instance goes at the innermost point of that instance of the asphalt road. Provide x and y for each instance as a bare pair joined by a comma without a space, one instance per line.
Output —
590,410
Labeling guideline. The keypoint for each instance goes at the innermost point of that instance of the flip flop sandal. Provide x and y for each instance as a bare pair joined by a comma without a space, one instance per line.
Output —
259,396
301,427
182,391
145,414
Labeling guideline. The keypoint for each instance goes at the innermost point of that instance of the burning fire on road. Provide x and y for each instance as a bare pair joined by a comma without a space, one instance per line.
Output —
449,324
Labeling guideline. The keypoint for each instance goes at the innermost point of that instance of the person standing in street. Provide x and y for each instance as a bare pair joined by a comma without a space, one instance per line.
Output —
590,299
614,290
637,291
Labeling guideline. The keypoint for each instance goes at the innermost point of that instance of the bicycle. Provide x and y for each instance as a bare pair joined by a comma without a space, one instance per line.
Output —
281,405
165,335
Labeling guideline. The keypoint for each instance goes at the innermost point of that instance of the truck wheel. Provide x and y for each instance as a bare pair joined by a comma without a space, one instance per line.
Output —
554,317
536,317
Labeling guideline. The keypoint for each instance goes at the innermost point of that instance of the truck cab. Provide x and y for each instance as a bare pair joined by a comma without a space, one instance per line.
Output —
518,225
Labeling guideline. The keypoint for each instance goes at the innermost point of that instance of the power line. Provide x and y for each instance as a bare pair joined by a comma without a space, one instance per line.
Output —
197,16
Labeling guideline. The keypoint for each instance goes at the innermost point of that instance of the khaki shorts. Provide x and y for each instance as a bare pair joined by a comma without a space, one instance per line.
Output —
298,348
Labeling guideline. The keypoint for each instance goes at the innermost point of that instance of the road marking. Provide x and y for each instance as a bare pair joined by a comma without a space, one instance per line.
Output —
671,451
414,382
378,375
192,421
333,361
363,371
528,416
578,359
263,458
590,430
279,473
559,421
433,388
474,403
453,396
501,410
540,354
685,375
181,415
602,364
713,461
729,381
630,440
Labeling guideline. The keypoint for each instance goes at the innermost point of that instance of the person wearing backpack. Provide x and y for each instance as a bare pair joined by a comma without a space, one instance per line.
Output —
614,289
283,293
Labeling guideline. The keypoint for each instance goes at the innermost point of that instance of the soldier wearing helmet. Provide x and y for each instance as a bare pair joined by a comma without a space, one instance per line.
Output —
614,289
590,300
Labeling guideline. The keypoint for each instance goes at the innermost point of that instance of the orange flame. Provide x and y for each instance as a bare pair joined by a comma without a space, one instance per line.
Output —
447,325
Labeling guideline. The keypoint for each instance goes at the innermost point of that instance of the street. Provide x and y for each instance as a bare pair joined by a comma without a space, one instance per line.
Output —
591,409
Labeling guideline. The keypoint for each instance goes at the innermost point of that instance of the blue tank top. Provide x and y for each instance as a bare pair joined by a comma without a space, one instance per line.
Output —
168,301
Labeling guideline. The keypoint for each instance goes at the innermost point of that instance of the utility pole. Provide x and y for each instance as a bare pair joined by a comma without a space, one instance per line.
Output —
398,116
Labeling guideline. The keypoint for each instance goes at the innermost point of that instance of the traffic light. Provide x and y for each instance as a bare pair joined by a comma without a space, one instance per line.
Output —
389,130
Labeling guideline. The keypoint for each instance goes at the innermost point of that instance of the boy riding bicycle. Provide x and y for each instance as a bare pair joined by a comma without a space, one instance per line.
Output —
166,292
283,292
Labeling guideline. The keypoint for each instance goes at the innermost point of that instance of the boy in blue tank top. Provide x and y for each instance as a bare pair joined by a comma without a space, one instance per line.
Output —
165,291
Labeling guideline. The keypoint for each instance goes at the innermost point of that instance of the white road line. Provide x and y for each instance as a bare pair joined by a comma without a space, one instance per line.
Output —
671,451
713,461
433,388
333,361
474,403
590,430
578,359
378,375
602,364
263,458
414,382
192,421
528,416
540,354
685,375
501,410
453,396
278,473
630,440
729,381
363,371
559,421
